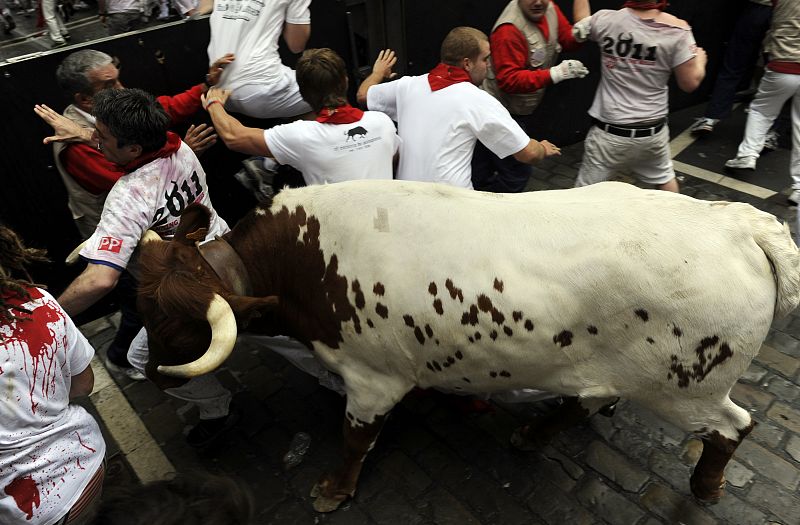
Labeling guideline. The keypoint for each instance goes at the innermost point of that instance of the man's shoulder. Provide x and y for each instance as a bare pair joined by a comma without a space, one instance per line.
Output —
74,114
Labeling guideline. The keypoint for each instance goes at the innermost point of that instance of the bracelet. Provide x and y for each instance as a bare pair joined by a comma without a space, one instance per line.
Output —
215,101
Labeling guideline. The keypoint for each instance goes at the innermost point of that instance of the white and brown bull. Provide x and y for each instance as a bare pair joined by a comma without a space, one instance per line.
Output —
599,292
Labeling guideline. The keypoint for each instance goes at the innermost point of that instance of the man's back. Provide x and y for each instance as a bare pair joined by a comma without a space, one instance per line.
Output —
439,128
638,56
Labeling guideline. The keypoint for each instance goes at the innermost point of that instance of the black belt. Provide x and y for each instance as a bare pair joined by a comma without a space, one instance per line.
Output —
634,132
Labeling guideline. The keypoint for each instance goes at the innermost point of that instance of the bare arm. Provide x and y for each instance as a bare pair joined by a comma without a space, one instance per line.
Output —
536,151
691,73
88,288
296,36
580,10
82,384
233,133
381,70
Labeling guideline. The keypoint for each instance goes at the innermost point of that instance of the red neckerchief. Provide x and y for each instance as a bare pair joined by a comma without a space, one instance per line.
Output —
443,75
661,5
345,114
170,146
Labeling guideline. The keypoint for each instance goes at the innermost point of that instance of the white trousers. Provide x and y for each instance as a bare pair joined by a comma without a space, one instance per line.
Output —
280,99
773,91
54,23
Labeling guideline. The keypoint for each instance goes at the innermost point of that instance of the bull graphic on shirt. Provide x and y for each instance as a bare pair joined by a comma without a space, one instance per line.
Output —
356,132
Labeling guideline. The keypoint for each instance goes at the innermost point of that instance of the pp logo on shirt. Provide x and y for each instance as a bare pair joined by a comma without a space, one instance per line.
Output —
110,244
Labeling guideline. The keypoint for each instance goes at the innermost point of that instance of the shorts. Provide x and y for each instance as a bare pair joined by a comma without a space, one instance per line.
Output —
604,154
279,99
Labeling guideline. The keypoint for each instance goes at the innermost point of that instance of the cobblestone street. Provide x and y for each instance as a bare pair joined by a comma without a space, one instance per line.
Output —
437,463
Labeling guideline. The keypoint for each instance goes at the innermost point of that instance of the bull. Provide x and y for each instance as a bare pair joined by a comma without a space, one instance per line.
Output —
599,292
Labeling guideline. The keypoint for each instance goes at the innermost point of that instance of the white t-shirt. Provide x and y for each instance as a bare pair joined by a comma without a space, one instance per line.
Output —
326,153
439,128
251,29
49,449
152,197
638,57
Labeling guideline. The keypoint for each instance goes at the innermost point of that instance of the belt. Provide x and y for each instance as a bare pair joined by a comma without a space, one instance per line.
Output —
634,132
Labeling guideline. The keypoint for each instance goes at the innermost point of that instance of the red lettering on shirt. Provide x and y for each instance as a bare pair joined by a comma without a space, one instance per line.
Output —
110,244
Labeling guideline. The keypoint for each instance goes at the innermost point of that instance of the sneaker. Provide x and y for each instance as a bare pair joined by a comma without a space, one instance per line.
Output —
703,126
55,44
771,140
207,431
741,163
128,371
80,4
794,198
256,178
10,25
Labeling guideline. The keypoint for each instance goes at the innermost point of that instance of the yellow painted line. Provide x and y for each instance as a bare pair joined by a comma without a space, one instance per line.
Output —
137,444
722,180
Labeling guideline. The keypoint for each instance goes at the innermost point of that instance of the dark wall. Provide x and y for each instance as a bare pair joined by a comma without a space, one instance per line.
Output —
171,58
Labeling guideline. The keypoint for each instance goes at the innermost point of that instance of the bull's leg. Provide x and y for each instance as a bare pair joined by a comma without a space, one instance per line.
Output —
334,488
572,411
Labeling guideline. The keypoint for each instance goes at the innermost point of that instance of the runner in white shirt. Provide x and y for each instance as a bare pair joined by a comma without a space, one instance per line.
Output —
342,143
641,47
51,451
441,115
261,85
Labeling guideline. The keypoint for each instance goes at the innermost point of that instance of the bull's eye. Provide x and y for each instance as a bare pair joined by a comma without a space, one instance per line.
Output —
199,268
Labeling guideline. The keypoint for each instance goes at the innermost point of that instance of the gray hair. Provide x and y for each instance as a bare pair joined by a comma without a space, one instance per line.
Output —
72,72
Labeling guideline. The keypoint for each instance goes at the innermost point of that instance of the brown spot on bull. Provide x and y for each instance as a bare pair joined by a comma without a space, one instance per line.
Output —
529,325
381,310
493,334
493,373
451,359
360,302
446,364
466,380
432,289
369,323
378,289
677,331
498,285
564,338
437,305
642,314
650,340
437,366
592,329
508,331
436,341
485,305
470,317
408,320
428,330
418,335
505,373
459,355
470,339
429,365
516,315
477,336
454,291
701,368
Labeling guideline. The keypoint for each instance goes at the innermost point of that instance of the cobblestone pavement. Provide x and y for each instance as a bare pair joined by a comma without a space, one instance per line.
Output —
436,463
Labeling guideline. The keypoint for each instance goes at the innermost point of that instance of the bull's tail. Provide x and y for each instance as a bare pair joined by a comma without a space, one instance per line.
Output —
776,241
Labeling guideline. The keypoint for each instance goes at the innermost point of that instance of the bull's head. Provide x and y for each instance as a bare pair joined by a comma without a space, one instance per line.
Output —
189,313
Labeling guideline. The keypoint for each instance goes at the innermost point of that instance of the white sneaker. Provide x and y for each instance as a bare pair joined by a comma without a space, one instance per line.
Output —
703,126
128,371
794,198
741,163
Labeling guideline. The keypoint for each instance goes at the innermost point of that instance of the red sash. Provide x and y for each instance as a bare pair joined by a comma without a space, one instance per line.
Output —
660,4
169,147
345,114
443,76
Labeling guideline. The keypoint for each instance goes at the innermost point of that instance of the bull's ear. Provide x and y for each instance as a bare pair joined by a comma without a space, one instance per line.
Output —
195,217
247,308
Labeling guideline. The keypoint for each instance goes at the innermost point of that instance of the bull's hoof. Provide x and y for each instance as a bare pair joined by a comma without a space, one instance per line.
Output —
326,504
705,494
521,441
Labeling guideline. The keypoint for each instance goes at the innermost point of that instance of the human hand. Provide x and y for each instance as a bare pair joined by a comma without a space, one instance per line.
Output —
214,95
215,71
383,65
65,129
568,69
103,19
200,138
701,56
549,148
581,29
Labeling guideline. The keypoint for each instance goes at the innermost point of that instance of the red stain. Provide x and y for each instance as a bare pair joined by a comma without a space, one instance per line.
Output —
33,331
84,445
78,462
25,494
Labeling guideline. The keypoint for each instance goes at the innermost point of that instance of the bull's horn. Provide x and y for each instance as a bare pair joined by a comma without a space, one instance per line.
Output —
149,236
223,338
74,255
